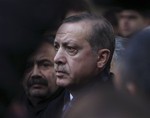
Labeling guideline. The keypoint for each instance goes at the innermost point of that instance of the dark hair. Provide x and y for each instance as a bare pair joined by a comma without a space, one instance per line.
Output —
101,35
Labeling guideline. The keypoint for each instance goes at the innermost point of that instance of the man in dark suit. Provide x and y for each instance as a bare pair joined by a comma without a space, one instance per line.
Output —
44,99
84,45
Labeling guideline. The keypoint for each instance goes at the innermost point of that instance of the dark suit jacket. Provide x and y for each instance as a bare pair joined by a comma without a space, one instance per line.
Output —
49,108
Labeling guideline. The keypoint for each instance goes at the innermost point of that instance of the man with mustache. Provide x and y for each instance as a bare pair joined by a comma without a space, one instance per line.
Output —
84,45
44,99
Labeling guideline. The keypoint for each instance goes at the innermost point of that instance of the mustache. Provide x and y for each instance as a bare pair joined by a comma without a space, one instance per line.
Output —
60,68
39,80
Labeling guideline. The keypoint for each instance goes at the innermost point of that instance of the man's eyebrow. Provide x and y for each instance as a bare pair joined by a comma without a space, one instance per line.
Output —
70,40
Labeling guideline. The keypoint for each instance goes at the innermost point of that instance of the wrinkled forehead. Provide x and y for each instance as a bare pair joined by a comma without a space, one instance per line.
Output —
78,29
74,27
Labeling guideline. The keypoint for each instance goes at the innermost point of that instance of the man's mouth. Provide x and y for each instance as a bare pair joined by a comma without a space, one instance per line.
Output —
60,74
38,86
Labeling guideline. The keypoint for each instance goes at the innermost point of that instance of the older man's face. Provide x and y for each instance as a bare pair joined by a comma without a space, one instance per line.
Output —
75,61
40,79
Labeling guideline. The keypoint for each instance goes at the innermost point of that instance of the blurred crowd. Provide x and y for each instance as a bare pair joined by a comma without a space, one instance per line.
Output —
74,59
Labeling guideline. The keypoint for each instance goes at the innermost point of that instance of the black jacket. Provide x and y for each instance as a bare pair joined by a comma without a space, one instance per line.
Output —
49,108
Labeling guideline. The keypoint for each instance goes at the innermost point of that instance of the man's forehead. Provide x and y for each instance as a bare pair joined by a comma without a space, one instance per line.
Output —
40,57
46,50
68,30
69,27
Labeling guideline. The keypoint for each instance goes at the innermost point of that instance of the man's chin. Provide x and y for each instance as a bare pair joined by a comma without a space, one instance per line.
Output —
38,93
62,82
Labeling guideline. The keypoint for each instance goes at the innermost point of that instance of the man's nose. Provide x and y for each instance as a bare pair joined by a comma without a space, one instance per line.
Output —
35,72
60,57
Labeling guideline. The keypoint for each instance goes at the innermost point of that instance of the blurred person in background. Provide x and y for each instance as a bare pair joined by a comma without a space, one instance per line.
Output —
133,73
130,22
105,102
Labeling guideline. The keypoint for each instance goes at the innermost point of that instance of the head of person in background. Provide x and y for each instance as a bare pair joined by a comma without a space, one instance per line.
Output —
136,67
84,45
130,22
105,102
39,78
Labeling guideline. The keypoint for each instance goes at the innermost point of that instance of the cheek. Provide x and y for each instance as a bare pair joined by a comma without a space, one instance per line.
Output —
82,64
134,24
51,77
75,63
122,23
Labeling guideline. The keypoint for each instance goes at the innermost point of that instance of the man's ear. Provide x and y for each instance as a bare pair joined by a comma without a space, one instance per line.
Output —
103,57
